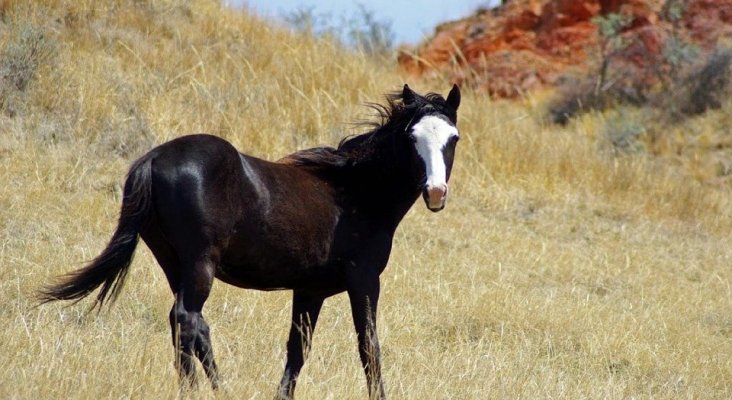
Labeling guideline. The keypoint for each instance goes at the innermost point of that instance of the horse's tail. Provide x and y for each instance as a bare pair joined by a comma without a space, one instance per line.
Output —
110,268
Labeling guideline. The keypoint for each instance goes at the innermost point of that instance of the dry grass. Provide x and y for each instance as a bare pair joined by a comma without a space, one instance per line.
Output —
558,270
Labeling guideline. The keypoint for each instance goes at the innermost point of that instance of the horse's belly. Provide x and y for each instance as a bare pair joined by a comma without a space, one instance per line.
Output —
279,264
277,277
282,249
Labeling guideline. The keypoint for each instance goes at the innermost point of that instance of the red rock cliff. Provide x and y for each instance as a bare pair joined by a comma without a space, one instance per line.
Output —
525,44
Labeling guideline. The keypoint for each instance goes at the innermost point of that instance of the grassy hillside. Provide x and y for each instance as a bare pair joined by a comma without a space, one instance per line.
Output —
558,269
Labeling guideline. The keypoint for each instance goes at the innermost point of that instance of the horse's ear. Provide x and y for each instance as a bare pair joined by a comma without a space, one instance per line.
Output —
407,95
453,98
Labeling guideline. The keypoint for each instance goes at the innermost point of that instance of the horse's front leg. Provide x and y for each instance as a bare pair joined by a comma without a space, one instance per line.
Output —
363,292
305,310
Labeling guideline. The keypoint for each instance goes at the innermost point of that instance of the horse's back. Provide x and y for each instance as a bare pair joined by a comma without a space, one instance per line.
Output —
200,153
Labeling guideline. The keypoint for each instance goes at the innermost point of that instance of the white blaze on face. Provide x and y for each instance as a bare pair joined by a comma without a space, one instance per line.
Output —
431,134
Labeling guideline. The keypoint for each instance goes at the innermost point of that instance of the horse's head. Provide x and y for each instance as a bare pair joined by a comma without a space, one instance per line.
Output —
434,134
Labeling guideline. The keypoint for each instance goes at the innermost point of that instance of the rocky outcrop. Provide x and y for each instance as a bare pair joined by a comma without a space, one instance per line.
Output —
525,44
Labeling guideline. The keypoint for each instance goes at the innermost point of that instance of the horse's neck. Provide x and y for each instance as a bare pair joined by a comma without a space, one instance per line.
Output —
384,191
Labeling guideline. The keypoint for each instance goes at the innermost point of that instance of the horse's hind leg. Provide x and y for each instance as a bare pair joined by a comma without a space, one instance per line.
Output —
183,326
204,352
191,336
184,320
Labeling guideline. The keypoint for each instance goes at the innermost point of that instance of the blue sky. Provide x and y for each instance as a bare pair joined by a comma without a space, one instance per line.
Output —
411,20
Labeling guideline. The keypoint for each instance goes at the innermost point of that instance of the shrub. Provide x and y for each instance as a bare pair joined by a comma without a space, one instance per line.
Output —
368,34
706,86
611,83
580,95
623,133
672,80
361,30
611,44
28,48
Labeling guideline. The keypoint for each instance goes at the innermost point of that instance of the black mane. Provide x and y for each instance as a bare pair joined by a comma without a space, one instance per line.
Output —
394,118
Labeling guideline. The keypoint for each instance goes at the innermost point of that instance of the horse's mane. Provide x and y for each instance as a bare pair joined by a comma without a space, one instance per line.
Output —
392,119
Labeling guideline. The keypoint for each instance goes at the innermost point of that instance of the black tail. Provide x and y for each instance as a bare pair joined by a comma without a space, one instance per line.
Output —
110,268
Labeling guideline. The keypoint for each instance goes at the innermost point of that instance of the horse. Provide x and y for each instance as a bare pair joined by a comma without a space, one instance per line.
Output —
319,222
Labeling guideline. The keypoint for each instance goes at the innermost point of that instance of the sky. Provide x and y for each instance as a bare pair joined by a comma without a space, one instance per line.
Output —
411,20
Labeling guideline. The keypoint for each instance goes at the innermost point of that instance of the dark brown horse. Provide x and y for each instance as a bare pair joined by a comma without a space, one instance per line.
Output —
318,222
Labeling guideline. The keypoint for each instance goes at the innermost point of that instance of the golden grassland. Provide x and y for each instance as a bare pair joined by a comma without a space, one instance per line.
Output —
558,270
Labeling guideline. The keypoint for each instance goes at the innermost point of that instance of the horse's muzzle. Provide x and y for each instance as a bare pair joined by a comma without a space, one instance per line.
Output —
435,196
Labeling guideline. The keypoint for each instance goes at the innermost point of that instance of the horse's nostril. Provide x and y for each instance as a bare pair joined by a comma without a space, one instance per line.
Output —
434,196
437,192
